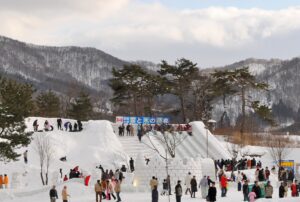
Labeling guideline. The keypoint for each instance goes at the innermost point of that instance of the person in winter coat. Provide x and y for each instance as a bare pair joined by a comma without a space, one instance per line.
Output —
294,189
154,194
165,188
194,187
35,125
64,194
178,191
267,173
223,185
269,190
5,181
25,155
286,189
1,182
153,183
131,163
203,185
239,181
281,190
169,184
246,190
109,190
59,122
118,190
252,196
98,191
187,183
212,193
66,178
104,185
53,194
256,189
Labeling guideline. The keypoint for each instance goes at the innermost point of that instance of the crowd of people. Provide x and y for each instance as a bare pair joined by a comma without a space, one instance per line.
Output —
67,126
207,186
242,164
108,187
142,129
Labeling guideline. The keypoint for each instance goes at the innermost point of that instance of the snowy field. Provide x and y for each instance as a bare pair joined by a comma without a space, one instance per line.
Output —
97,144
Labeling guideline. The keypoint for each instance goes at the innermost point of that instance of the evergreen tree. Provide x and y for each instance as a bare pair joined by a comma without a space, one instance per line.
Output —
239,82
81,107
179,78
127,85
48,104
15,104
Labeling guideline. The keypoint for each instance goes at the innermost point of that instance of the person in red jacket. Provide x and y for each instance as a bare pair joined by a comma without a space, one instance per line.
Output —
65,178
223,185
294,189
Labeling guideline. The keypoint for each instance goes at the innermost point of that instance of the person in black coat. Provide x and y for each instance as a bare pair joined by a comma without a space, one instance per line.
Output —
281,190
246,190
193,187
256,189
212,193
178,191
53,194
155,194
131,163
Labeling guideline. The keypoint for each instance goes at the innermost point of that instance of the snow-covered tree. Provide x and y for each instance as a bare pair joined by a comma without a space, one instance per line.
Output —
15,105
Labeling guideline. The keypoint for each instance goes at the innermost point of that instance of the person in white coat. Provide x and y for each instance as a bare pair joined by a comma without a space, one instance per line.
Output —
203,185
187,183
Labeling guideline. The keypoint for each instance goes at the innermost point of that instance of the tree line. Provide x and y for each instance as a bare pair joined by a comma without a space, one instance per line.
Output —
183,90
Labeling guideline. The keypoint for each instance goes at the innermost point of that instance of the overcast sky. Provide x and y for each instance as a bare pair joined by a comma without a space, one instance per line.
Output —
209,32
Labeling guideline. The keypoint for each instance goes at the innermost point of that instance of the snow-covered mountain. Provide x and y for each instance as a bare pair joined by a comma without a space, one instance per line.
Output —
57,68
63,68
283,77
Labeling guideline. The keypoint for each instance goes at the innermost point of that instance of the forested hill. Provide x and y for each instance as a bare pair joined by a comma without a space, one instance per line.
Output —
64,68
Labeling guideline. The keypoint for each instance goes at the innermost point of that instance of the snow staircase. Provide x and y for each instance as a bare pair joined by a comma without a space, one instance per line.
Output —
133,147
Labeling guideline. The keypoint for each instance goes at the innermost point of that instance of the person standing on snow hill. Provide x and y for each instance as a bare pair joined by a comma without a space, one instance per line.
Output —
203,185
35,125
155,194
187,183
64,194
25,155
59,122
178,191
98,191
53,194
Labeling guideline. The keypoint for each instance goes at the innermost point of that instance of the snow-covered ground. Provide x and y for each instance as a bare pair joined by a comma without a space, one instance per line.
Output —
98,144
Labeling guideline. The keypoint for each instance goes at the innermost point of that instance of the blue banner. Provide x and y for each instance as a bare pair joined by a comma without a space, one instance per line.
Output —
142,120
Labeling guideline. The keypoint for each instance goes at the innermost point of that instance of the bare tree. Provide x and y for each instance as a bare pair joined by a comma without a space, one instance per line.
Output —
169,141
279,147
45,152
